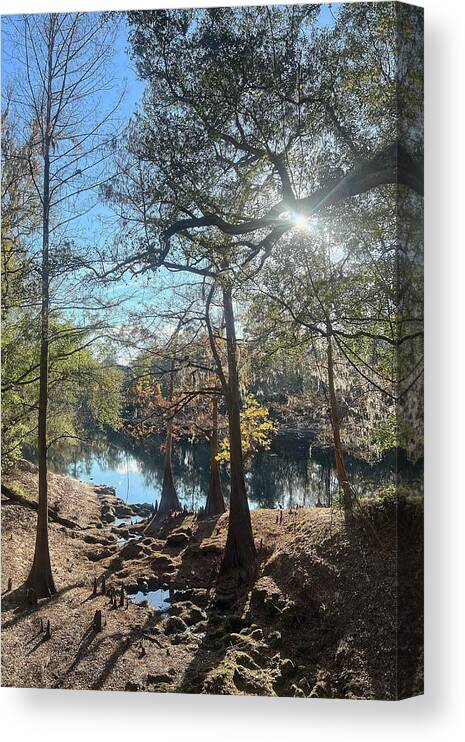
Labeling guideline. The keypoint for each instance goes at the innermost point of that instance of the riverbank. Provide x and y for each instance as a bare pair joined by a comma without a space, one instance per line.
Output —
319,619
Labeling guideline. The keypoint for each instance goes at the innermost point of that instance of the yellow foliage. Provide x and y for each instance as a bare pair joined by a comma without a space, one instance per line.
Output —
257,430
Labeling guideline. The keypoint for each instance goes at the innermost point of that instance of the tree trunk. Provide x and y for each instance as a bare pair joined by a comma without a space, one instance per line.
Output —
215,500
240,549
169,502
348,495
40,577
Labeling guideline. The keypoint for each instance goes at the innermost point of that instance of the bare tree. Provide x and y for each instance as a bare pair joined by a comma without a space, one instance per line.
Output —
64,61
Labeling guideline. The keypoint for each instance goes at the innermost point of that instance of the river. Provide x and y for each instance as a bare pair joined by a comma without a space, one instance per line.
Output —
285,476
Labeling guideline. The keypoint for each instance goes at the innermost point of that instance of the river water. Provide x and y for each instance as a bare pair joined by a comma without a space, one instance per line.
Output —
285,476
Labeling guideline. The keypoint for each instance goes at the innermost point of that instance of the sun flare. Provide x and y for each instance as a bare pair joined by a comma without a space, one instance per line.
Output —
301,221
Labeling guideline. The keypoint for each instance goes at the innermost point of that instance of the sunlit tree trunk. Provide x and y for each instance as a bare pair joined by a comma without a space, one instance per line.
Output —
215,500
348,495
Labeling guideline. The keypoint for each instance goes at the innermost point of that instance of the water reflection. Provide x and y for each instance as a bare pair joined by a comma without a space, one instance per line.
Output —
286,478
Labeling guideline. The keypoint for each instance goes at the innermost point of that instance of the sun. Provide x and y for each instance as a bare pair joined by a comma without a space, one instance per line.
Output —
301,221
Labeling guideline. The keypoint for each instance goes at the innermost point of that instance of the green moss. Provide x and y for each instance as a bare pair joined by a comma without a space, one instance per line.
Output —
219,680
18,489
161,688
243,659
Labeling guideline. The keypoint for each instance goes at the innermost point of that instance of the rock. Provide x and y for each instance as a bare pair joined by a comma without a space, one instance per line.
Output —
198,596
292,613
235,623
123,532
189,613
163,563
108,517
274,639
130,686
275,660
266,597
200,628
297,692
175,625
89,539
123,511
243,659
131,550
256,635
210,549
92,556
184,638
257,597
142,603
248,682
132,588
143,509
178,538
179,608
243,643
107,508
270,606
194,616
320,690
287,668
105,489
160,678
116,564
104,554
219,681
305,686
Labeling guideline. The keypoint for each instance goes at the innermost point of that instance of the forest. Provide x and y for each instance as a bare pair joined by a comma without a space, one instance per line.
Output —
212,350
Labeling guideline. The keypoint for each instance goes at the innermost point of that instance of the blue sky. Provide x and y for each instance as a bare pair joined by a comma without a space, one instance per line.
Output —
98,221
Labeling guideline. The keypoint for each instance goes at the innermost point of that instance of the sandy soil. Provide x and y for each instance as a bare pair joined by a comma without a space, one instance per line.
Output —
332,611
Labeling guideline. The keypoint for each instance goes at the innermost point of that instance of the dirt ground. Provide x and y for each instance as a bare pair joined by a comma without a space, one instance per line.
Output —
333,611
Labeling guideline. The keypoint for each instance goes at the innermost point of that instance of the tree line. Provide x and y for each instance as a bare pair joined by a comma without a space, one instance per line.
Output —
270,183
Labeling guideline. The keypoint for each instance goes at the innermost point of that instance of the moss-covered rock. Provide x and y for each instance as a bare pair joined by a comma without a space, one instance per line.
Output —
245,660
219,680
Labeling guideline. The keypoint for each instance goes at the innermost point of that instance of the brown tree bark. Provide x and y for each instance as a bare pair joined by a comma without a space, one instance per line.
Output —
347,492
40,577
215,500
169,501
240,549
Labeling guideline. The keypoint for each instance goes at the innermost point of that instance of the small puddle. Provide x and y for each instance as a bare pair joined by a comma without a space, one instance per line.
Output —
158,599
